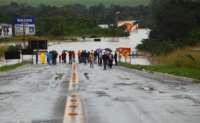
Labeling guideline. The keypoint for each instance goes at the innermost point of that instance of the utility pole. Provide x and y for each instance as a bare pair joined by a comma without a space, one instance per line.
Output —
117,18
24,32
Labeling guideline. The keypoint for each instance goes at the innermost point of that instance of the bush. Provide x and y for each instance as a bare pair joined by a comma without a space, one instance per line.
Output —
156,46
13,48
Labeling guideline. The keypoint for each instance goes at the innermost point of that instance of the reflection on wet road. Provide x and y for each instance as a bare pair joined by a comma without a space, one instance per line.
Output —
125,96
33,94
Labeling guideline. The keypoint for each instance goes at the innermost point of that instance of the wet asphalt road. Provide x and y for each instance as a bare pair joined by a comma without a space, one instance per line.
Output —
121,95
37,93
33,94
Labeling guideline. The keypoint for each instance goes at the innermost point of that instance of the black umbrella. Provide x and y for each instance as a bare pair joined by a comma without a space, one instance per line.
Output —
108,49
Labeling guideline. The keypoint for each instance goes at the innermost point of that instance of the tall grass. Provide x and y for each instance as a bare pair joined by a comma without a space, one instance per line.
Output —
186,57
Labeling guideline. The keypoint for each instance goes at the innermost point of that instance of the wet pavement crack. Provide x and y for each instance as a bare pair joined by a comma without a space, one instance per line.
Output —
8,92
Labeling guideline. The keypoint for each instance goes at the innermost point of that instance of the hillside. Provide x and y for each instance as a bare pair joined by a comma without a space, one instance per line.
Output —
85,2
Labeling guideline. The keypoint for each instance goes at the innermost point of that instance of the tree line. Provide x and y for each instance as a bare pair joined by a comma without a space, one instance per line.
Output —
76,20
175,24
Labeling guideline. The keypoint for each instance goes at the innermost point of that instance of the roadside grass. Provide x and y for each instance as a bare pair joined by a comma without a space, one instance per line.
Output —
187,57
174,70
11,67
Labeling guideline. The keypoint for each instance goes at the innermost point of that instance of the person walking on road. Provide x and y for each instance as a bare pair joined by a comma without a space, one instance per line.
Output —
91,59
115,57
110,60
54,57
70,57
105,60
100,58
63,57
73,57
43,58
49,58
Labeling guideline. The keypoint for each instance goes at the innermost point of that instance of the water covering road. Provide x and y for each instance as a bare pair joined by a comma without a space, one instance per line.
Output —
132,41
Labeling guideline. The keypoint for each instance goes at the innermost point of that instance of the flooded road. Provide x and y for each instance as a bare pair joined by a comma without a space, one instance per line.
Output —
132,41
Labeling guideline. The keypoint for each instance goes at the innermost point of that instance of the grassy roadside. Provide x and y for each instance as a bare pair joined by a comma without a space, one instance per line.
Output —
11,67
179,71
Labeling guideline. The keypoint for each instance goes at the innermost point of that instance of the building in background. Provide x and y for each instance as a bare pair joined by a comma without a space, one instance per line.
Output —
103,26
24,26
5,30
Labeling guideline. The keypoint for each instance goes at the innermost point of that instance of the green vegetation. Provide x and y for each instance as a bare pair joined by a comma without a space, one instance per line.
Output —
176,24
11,67
84,2
186,57
76,20
181,62
49,38
179,71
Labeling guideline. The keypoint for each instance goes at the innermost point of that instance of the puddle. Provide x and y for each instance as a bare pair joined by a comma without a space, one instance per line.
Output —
106,89
86,76
8,92
125,84
162,92
147,88
124,99
187,97
59,76
124,78
102,94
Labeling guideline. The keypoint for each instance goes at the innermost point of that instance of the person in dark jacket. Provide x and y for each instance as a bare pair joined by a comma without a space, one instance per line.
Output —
110,60
105,60
70,57
63,57
54,57
115,57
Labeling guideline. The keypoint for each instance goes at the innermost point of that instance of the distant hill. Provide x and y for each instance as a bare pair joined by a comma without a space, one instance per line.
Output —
85,2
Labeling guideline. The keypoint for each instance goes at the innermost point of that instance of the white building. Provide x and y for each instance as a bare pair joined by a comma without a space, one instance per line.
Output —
5,30
104,26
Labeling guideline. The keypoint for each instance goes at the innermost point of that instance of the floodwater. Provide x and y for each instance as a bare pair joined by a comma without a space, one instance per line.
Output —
132,41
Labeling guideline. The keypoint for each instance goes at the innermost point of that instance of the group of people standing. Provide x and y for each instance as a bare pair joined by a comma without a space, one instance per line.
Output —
46,57
98,56
71,56
101,57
